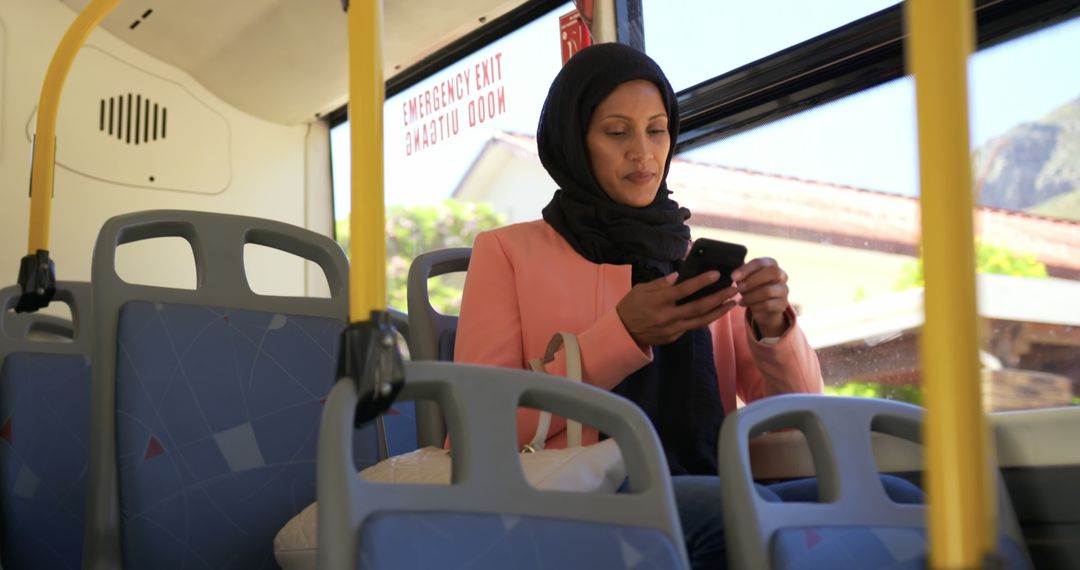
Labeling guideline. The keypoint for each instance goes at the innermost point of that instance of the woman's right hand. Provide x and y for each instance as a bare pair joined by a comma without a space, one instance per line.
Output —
652,318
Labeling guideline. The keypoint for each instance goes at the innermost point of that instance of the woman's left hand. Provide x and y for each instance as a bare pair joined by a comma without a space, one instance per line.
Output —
764,290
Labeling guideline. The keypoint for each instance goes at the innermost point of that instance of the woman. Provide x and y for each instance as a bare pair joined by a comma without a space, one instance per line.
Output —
601,264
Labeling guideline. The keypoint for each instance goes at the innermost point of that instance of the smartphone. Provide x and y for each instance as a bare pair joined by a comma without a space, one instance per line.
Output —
707,255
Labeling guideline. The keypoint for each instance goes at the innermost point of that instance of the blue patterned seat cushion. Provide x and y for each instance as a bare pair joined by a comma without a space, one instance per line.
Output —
217,423
866,548
44,421
450,541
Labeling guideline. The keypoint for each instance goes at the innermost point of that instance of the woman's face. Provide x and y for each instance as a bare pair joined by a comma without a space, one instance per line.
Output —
628,143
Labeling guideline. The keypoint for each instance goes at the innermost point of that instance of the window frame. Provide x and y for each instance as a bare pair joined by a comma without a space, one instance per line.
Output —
858,56
863,54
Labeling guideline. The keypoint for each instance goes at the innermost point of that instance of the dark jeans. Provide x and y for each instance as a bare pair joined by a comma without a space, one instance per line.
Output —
698,499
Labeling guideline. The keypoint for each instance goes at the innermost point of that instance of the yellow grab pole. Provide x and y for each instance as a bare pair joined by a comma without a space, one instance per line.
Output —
367,222
41,173
961,508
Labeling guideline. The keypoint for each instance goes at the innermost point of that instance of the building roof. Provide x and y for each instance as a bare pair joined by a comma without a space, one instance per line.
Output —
1001,297
770,204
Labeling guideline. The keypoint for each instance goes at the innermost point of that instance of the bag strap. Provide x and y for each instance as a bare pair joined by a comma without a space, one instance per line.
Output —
573,373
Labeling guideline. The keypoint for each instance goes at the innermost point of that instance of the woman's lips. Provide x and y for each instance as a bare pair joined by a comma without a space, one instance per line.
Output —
640,177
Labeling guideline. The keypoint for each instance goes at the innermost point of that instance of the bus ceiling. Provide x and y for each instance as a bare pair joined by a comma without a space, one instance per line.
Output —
285,60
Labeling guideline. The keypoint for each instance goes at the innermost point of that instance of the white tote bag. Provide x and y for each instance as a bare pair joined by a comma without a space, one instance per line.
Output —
591,468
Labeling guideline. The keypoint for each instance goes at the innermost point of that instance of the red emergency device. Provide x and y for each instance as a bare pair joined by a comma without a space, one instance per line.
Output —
574,33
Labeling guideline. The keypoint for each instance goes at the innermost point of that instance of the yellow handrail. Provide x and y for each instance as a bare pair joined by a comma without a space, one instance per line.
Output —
961,497
367,231
41,173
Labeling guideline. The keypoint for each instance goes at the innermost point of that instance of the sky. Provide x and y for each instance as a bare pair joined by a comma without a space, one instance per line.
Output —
867,140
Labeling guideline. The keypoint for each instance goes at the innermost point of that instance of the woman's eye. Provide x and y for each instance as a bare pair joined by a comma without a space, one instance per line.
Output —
616,133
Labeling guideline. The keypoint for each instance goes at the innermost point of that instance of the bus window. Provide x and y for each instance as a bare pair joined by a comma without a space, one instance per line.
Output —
694,40
448,128
832,194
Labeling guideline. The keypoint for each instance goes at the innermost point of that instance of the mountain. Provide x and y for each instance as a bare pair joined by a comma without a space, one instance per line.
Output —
1034,166
1066,206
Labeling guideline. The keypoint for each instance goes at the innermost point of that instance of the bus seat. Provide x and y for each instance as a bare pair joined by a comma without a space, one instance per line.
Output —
855,525
432,334
490,517
44,419
37,325
397,426
206,402
400,321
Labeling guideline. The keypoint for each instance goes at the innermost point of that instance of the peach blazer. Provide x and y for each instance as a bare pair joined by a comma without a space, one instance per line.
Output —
526,283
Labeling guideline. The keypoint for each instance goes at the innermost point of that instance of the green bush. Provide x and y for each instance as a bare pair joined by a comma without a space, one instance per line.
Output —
902,393
413,230
988,259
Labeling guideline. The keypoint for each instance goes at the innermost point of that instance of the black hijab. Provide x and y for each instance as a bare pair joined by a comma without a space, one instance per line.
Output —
652,238
678,390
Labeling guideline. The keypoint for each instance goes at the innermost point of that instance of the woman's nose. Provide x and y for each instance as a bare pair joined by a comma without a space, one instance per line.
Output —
639,149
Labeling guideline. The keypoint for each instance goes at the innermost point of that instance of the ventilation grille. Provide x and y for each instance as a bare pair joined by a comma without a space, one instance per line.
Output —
133,119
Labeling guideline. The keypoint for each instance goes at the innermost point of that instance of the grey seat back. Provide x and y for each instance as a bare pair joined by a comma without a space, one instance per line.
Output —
44,420
490,517
855,524
432,333
35,325
206,402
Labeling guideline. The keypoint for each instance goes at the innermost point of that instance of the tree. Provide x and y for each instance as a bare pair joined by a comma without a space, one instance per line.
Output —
988,259
413,230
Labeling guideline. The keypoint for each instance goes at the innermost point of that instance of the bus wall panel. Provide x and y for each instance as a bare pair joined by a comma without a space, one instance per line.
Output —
229,161
124,125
